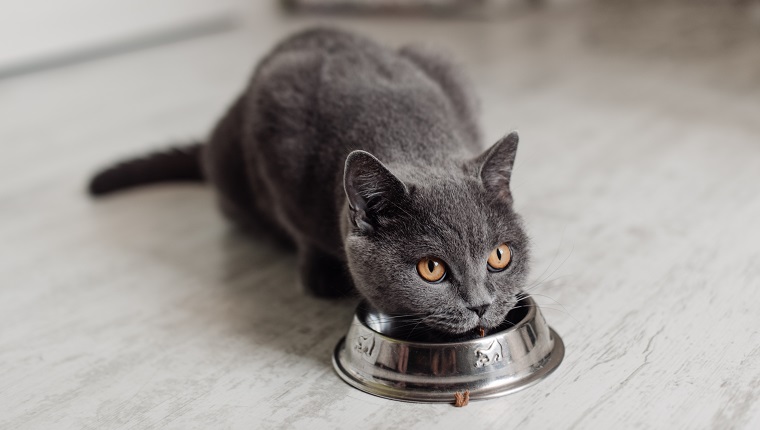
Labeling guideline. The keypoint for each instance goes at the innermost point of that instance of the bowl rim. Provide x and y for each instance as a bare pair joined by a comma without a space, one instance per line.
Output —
363,309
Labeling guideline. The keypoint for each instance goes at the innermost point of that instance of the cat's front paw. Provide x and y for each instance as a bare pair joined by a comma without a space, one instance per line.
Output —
324,276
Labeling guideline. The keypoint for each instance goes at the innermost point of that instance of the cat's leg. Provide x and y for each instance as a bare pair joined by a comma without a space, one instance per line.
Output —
224,164
322,274
226,168
453,83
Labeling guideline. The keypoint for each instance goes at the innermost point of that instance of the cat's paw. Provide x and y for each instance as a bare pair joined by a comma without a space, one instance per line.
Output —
324,276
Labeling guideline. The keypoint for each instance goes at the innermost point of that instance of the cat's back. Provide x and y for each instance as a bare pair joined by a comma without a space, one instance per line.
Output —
299,68
323,93
341,91
317,51
325,40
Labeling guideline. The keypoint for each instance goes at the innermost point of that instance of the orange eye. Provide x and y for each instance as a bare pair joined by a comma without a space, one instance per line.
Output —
499,258
431,269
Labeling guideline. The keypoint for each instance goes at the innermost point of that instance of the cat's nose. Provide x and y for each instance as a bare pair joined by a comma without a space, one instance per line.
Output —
479,310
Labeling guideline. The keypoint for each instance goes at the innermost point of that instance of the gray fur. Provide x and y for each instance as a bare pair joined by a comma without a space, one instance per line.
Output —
423,191
368,159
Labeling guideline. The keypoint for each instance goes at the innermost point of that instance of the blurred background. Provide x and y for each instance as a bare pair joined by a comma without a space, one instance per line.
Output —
36,34
638,175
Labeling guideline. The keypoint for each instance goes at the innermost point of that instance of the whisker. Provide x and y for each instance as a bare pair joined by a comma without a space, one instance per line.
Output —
556,253
418,323
539,282
395,317
542,307
550,298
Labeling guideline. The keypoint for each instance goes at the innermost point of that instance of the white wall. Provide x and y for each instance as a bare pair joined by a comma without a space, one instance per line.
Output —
36,31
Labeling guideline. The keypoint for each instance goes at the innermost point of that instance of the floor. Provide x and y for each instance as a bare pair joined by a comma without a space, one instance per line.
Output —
638,175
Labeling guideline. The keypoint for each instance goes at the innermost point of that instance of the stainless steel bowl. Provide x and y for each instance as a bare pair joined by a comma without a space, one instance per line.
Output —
380,355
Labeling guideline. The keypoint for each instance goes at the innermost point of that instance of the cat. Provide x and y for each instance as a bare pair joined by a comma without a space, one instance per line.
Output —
369,161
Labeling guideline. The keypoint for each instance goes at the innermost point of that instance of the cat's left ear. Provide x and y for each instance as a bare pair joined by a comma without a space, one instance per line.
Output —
496,166
371,190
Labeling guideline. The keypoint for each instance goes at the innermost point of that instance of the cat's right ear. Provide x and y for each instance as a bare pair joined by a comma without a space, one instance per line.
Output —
496,166
370,188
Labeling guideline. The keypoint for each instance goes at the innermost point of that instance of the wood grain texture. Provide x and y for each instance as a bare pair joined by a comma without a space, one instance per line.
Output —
638,175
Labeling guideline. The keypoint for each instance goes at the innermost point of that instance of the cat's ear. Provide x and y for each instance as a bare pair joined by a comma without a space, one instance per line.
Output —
370,188
496,166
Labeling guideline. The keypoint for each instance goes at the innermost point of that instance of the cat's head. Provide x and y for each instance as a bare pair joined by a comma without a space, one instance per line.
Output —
440,244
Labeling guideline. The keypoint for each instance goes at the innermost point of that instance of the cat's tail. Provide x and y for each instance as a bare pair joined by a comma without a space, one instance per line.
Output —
175,164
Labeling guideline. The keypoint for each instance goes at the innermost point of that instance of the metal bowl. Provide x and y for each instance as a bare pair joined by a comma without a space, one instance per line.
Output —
381,355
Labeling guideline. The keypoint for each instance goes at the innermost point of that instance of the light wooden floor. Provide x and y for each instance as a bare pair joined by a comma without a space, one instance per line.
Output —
639,176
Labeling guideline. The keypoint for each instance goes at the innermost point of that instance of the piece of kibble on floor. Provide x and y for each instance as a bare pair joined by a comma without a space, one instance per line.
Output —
461,399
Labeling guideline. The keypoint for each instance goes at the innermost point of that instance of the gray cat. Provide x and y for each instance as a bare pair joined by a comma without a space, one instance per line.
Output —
369,161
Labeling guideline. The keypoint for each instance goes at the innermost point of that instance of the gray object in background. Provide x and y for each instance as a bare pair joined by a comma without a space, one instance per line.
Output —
417,7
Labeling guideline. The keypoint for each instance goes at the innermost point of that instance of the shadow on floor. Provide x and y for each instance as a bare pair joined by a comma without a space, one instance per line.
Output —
231,287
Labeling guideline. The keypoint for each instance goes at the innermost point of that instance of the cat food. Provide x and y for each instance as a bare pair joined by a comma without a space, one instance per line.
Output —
461,399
